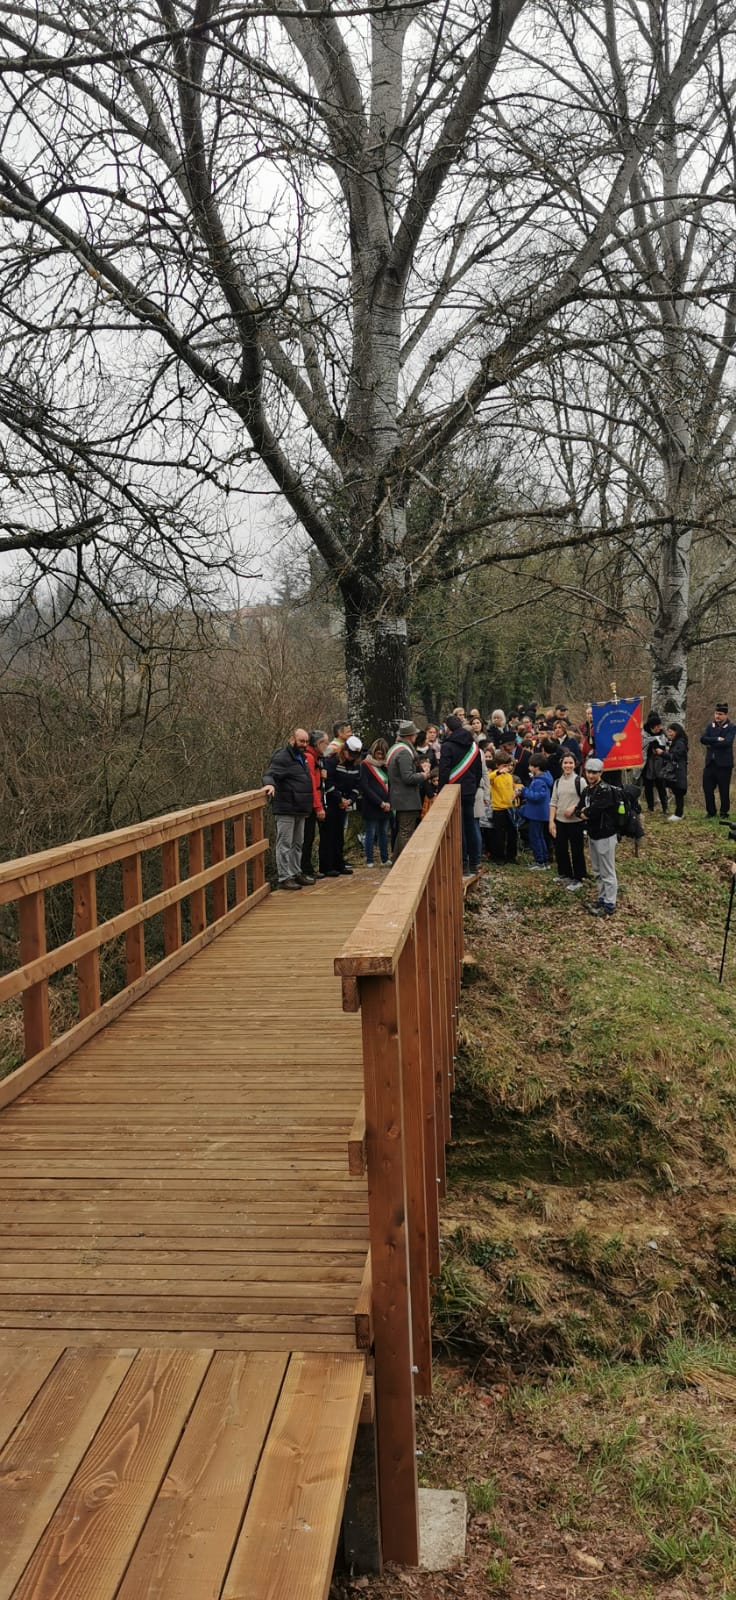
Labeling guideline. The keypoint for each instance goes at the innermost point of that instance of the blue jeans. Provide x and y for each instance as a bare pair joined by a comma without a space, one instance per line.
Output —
538,842
472,842
376,828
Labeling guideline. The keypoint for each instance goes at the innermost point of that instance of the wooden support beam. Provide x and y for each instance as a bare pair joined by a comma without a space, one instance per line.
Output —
88,967
257,834
135,947
169,879
241,873
437,1001
197,898
32,931
356,1144
384,1114
426,1051
219,887
410,992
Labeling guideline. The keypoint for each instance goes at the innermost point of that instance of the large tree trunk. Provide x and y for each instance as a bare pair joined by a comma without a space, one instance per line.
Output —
669,649
376,666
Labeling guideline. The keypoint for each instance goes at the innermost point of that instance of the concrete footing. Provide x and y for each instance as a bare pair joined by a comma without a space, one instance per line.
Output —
443,1517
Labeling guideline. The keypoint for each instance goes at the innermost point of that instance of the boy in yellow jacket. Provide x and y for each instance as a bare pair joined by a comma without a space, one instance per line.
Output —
503,828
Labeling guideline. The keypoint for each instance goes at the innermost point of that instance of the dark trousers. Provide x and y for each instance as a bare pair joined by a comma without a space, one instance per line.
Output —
570,850
407,823
504,837
310,829
717,778
332,842
650,784
678,796
471,834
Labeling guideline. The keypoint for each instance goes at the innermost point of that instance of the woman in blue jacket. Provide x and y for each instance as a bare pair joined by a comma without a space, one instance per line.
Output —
535,800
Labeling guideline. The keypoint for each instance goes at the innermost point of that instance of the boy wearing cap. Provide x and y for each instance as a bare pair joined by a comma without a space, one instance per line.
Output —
718,740
405,778
598,806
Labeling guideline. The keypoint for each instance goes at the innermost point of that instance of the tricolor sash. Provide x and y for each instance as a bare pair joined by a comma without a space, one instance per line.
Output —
395,748
378,773
464,763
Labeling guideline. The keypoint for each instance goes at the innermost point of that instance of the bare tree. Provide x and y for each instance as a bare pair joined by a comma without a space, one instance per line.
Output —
639,431
325,239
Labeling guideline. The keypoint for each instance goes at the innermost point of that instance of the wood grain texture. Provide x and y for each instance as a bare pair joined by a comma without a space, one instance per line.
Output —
185,1549
93,1532
43,1454
299,1492
23,1371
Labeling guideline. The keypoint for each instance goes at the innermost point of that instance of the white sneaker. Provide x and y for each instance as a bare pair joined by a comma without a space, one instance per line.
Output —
369,863
562,879
574,884
675,818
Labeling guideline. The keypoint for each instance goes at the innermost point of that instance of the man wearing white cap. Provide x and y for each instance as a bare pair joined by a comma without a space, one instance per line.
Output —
342,784
599,808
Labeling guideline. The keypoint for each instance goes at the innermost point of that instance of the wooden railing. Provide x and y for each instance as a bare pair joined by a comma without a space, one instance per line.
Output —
235,878
401,966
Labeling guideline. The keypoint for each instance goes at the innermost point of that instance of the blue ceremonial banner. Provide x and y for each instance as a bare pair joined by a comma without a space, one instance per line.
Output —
617,733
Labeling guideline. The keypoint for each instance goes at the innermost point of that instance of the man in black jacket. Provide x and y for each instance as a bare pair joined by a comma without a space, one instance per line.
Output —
599,807
718,740
461,762
289,784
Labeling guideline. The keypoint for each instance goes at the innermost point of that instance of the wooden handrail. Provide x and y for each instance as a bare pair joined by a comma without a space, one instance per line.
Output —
47,867
27,879
74,951
401,967
376,942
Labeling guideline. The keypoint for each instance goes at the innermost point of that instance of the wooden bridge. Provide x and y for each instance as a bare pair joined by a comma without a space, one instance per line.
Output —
219,1210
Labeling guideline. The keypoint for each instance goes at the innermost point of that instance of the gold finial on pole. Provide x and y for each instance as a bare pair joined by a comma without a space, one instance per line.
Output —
615,696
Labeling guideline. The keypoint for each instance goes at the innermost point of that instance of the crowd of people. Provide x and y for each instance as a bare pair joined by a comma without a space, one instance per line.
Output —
532,778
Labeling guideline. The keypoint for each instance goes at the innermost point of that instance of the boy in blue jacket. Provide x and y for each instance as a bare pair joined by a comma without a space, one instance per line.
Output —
535,811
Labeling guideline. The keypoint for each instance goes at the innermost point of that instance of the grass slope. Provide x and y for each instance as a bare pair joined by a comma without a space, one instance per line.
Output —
586,1312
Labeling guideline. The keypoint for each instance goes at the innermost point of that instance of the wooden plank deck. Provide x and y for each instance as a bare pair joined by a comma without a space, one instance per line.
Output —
141,1474
182,1180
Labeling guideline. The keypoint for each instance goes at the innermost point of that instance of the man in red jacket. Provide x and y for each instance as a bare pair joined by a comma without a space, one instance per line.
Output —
314,754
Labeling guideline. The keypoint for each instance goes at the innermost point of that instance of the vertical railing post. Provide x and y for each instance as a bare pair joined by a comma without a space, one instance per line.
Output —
197,899
169,880
450,942
257,834
241,879
135,942
384,1116
32,931
219,887
438,998
88,967
444,961
427,1034
416,1194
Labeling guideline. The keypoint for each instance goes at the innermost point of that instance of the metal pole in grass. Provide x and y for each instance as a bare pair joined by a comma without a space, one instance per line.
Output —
728,920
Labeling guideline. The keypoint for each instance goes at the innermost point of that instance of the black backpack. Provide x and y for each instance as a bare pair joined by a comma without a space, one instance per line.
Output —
630,825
